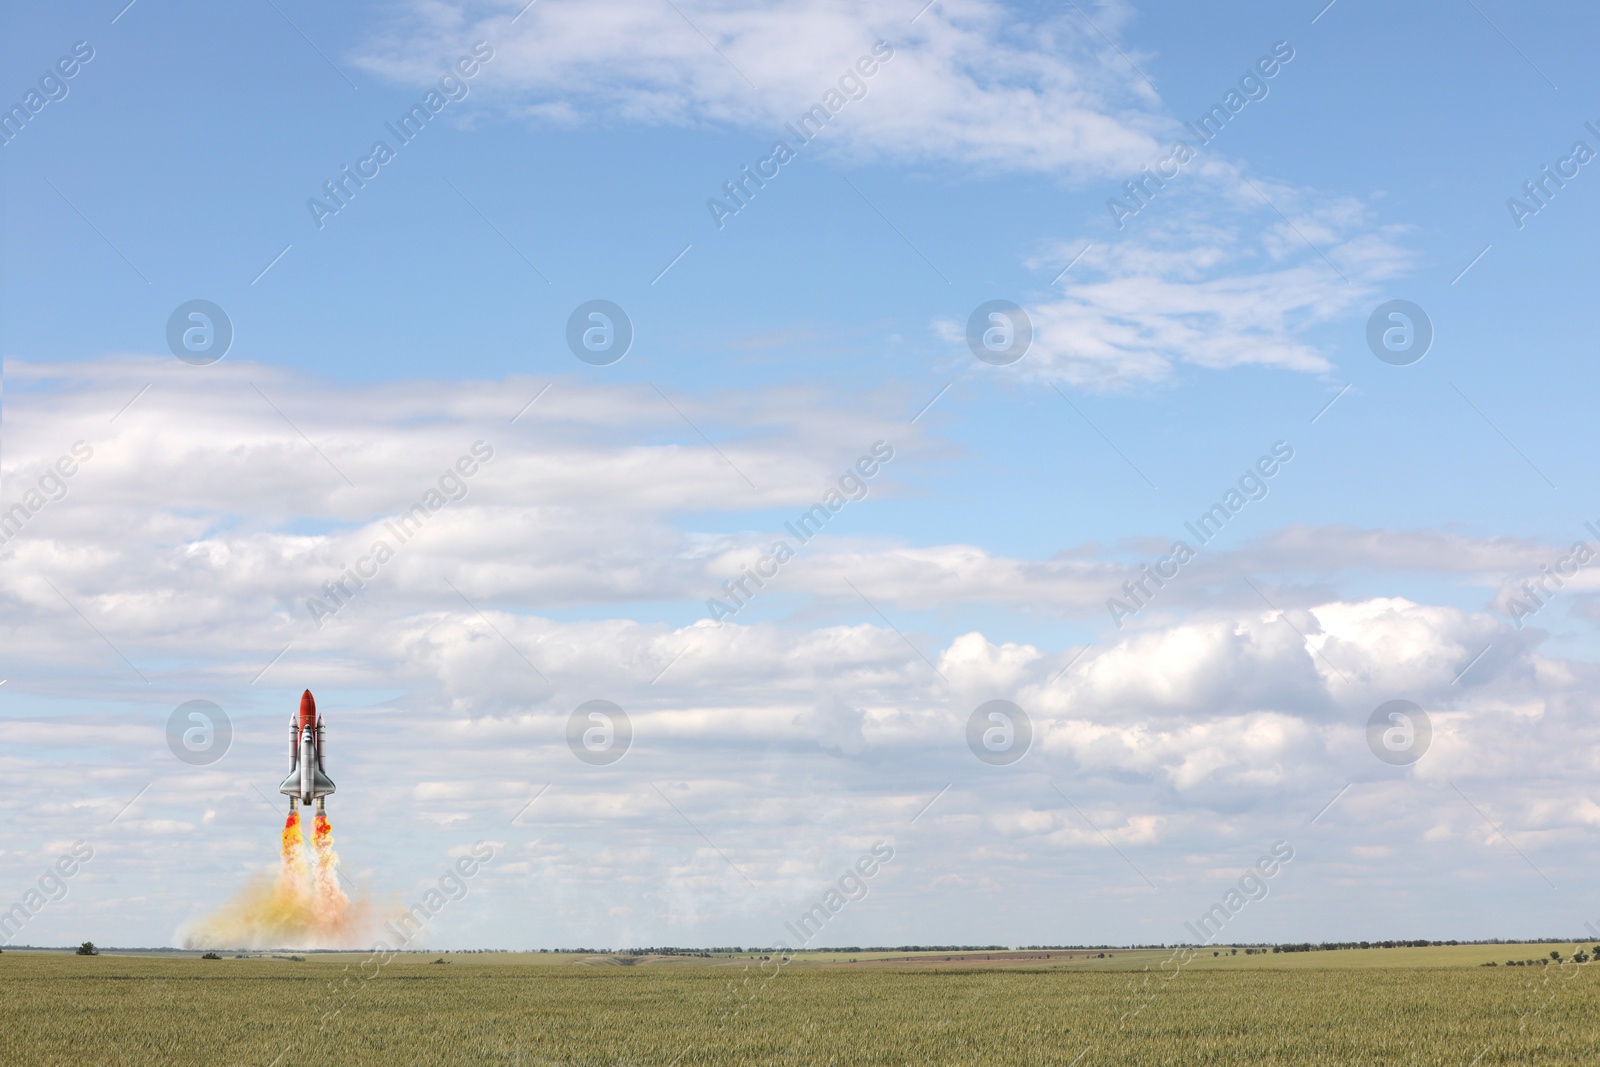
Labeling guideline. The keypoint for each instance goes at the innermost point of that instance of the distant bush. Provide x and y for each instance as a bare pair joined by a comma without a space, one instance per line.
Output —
88,949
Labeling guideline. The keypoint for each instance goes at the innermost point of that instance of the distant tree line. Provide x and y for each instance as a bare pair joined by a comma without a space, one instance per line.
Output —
736,950
919,948
1328,946
1084,948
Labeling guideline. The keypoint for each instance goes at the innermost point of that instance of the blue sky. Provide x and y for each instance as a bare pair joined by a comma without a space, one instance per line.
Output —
822,317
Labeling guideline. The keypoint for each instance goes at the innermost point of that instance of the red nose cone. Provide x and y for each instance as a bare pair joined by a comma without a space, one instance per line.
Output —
308,709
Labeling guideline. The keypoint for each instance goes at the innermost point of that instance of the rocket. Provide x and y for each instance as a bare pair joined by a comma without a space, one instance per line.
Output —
307,780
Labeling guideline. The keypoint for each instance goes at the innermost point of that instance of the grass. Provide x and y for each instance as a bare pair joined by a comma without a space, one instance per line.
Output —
1377,1006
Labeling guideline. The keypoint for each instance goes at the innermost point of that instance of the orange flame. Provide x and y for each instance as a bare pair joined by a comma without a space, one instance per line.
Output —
303,907
293,850
329,896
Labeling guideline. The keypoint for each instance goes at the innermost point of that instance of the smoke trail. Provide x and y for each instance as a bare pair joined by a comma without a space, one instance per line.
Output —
301,906
330,898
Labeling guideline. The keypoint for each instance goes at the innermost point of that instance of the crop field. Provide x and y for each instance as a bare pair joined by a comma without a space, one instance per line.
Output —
1402,1006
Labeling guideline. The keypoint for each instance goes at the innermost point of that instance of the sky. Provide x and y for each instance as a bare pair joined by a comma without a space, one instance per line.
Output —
1194,322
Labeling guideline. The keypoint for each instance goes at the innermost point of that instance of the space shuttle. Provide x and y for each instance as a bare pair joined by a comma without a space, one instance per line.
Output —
307,780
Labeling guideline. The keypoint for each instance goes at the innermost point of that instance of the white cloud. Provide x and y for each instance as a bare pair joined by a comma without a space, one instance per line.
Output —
784,742
971,82
1210,277
203,524
978,86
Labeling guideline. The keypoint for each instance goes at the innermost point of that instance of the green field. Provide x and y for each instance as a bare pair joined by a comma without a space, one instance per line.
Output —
1390,1006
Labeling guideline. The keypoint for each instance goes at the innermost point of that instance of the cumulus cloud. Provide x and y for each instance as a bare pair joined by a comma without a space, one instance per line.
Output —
191,539
215,507
205,526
